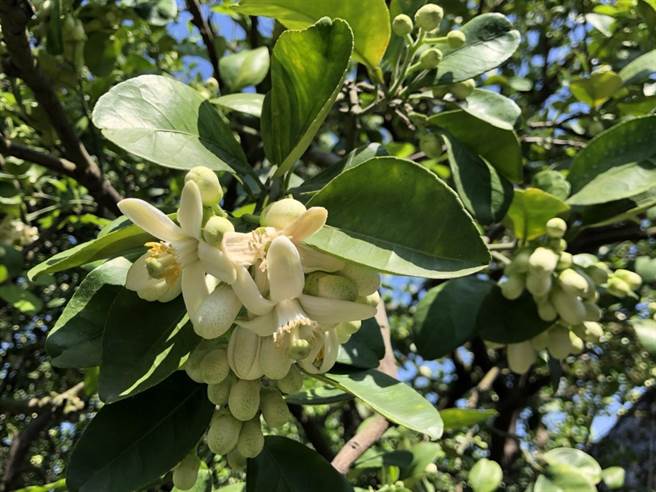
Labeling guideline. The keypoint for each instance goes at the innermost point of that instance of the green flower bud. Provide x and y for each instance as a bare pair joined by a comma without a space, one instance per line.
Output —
462,90
429,16
618,287
540,342
212,84
556,227
214,366
219,393
235,460
558,245
274,362
430,58
251,439
346,329
402,25
292,382
593,331
223,433
215,228
331,286
456,39
572,282
538,283
631,278
547,311
366,279
244,399
521,356
570,308
208,184
543,260
512,286
185,473
564,261
274,409
598,272
431,145
244,354
193,364
282,213
559,344
592,311
520,263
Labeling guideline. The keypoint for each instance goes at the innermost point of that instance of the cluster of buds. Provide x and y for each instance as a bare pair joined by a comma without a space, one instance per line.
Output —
266,304
565,289
17,233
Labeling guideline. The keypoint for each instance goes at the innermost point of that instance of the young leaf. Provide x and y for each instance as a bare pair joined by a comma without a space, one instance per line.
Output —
485,476
456,418
246,67
596,89
377,217
639,69
307,70
132,442
493,108
531,209
243,102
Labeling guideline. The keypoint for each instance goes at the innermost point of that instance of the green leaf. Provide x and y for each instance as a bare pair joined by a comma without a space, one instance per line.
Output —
456,418
132,442
100,53
493,108
562,478
318,394
369,20
491,40
485,193
613,477
140,351
307,70
423,453
243,102
244,68
168,123
485,476
596,89
646,332
155,12
575,460
446,316
372,459
377,216
605,24
76,338
553,182
531,209
618,163
20,299
640,69
122,241
500,147
365,348
618,210
396,401
235,487
289,466
646,268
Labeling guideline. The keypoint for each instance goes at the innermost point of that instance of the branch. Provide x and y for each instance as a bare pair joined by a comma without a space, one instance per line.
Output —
207,34
372,432
59,165
554,141
14,16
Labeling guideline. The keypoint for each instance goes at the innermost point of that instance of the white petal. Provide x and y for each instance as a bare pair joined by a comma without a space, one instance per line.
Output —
238,247
194,287
217,263
262,326
217,313
150,219
249,294
172,291
138,277
307,224
286,278
190,214
314,260
332,311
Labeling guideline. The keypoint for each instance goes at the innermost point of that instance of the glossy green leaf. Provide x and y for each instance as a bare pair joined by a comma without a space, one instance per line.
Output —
561,478
605,24
20,299
365,348
613,477
140,351
553,182
485,193
396,401
155,12
492,107
289,466
423,454
500,147
639,69
531,209
393,230
100,53
618,163
646,332
370,44
373,459
132,442
485,476
167,122
596,89
576,460
318,394
618,210
235,487
244,68
243,102
76,338
307,70
457,418
446,316
491,40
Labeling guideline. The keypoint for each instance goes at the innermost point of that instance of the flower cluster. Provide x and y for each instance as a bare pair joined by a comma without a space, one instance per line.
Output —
265,304
565,289
17,233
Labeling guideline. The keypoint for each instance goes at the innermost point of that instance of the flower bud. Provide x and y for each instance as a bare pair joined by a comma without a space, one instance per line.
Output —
618,287
193,364
244,354
431,145
430,469
598,272
371,300
282,213
559,344
214,366
429,16
456,39
633,280
223,433
556,228
547,311
558,245
543,260
570,308
212,84
251,439
185,473
208,184
331,286
520,263
274,362
592,311
540,341
219,393
430,59
512,286
235,460
538,283
521,356
274,409
292,382
215,228
572,282
402,25
565,260
346,329
462,90
244,399
366,279
425,371
593,331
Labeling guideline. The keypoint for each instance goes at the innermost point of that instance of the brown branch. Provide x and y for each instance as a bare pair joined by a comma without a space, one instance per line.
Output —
374,429
207,34
14,16
59,165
